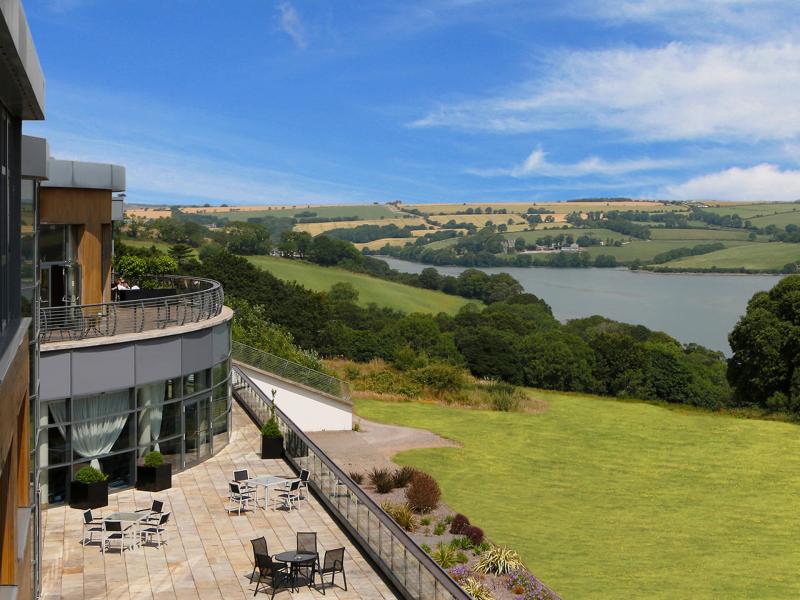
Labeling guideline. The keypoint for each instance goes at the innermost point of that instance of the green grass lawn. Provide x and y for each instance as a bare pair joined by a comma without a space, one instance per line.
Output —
370,289
609,499
751,256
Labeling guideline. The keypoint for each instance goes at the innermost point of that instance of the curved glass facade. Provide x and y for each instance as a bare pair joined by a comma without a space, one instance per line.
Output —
185,418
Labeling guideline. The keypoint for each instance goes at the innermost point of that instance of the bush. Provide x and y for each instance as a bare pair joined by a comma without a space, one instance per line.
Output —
382,479
458,524
89,475
461,558
440,528
476,589
498,560
503,396
153,459
270,429
358,478
445,556
461,543
402,476
474,534
423,493
402,515
426,548
425,521
460,573
440,378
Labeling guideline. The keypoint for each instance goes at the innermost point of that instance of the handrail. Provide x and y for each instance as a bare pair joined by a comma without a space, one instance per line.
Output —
202,301
410,569
290,370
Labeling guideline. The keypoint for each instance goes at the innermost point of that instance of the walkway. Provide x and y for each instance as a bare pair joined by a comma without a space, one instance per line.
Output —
208,555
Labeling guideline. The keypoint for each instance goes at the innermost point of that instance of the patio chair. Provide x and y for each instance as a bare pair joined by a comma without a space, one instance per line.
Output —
154,511
91,525
274,572
333,563
304,475
114,531
158,530
290,496
259,547
307,542
240,497
241,478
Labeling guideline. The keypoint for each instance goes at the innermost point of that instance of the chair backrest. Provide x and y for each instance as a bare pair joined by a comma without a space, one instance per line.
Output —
157,507
334,559
304,474
112,525
87,517
164,518
263,562
234,487
240,475
295,485
260,546
307,542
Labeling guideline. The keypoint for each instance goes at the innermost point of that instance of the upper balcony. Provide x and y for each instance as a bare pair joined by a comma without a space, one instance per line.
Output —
170,301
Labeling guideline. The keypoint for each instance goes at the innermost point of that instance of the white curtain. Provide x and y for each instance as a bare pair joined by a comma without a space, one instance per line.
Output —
151,397
98,435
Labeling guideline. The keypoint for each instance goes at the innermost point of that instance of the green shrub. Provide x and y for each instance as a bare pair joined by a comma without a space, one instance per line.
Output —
357,478
403,475
448,519
440,528
445,556
476,589
461,558
503,396
270,429
153,459
461,543
423,493
425,521
382,479
440,378
89,475
402,515
356,427
426,548
498,560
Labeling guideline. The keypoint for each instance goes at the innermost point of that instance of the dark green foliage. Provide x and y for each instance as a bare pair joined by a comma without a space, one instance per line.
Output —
270,429
244,238
382,479
368,233
89,475
153,459
402,476
765,367
440,378
423,493
677,253
458,524
440,528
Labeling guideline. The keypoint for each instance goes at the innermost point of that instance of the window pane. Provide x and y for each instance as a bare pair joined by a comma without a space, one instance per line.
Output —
52,243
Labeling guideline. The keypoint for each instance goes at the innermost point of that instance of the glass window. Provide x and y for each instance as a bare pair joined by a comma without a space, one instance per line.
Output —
220,430
221,391
219,372
171,449
55,482
53,243
57,445
196,382
152,394
119,468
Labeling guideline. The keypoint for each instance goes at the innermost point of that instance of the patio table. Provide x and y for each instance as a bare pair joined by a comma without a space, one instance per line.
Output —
297,559
266,482
130,517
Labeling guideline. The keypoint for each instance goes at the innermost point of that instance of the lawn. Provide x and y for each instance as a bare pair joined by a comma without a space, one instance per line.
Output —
750,256
609,499
370,289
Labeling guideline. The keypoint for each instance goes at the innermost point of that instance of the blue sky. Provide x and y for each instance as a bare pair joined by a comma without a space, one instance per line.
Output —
297,101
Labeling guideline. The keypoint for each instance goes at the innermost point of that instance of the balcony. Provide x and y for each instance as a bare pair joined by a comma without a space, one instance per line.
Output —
174,301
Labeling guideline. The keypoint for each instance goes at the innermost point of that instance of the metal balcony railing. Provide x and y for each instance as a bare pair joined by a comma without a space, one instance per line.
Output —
290,370
412,571
184,300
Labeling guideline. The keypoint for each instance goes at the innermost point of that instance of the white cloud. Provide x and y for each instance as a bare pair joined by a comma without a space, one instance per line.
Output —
292,24
537,164
761,182
676,92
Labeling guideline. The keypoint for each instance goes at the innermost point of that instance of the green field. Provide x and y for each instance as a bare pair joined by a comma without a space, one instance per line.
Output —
609,499
645,250
362,211
531,236
698,236
781,219
750,256
370,289
162,246
755,209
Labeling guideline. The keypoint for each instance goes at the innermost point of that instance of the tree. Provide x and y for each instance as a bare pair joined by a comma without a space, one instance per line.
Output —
343,291
519,244
247,238
181,253
766,348
430,279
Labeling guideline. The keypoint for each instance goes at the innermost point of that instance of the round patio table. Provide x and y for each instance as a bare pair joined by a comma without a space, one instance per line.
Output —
296,560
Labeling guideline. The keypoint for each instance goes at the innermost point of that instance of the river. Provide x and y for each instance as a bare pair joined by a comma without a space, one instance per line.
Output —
692,308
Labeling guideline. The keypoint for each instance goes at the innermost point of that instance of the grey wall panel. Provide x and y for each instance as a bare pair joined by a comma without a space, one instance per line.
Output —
102,369
222,342
197,351
54,375
158,359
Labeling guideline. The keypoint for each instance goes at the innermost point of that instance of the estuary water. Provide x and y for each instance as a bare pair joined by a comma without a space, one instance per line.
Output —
691,308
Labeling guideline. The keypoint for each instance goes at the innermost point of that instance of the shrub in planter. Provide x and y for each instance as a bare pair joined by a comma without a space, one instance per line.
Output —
423,492
154,475
402,515
89,489
271,439
458,524
382,479
475,534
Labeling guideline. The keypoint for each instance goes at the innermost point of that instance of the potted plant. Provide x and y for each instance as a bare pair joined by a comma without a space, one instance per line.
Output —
89,489
271,439
155,474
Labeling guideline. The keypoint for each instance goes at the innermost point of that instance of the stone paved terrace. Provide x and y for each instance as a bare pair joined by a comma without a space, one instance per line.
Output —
208,554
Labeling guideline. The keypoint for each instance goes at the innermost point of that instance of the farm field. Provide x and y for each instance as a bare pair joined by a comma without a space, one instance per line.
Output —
698,236
362,211
645,250
532,236
480,220
611,499
317,228
781,219
748,211
558,207
375,244
750,256
370,289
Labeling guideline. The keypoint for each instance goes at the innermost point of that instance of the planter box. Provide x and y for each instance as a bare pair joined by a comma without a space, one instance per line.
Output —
154,479
88,495
271,447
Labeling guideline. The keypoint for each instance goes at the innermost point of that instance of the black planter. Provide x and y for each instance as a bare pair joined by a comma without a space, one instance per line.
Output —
271,447
154,479
88,495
